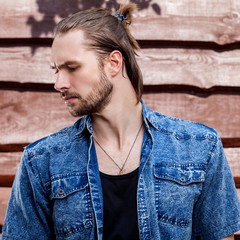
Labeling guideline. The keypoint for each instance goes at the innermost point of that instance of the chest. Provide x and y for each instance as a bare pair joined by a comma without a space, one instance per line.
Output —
112,161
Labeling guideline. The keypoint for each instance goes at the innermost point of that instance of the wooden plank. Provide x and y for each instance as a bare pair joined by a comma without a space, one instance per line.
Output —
215,21
9,162
238,191
20,64
200,68
233,157
231,142
4,196
192,67
28,116
218,111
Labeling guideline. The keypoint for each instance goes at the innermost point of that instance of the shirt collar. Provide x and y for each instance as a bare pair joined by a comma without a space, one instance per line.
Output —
149,116
84,123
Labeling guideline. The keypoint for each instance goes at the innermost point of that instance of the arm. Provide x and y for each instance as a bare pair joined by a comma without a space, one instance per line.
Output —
28,215
217,211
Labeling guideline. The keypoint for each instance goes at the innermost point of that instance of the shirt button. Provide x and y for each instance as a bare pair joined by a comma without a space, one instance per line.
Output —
60,192
182,179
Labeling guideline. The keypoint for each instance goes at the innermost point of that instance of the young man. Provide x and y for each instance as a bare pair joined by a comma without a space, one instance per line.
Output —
122,171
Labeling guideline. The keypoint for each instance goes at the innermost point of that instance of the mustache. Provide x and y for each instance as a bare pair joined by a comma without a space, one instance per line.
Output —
67,94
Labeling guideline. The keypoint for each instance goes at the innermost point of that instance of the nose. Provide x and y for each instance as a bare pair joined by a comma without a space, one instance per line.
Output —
62,82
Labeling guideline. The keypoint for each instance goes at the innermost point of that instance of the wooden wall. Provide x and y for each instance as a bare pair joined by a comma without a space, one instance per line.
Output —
190,60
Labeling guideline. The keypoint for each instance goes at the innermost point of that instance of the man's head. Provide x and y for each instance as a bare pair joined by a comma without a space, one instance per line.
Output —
104,34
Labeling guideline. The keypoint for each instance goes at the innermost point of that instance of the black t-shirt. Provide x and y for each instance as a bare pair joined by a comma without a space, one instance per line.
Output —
120,220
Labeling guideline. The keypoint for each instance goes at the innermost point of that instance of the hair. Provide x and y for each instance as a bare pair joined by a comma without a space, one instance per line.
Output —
106,34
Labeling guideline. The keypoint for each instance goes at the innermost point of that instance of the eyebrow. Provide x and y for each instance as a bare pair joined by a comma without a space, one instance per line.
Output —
65,64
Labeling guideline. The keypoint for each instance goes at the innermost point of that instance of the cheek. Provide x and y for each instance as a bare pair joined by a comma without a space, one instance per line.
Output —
83,83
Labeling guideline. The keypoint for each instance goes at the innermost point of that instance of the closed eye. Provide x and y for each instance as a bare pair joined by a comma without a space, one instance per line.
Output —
72,69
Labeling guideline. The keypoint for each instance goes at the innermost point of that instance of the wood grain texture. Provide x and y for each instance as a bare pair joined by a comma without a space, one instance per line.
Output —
215,21
19,64
218,111
9,163
28,116
4,197
200,68
233,157
191,67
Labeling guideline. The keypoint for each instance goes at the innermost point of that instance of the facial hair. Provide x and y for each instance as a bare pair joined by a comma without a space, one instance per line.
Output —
95,101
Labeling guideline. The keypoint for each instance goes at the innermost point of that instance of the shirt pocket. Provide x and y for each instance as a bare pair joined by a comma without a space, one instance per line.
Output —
177,188
72,207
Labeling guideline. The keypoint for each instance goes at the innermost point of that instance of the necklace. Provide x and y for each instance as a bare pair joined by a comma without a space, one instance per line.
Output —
120,168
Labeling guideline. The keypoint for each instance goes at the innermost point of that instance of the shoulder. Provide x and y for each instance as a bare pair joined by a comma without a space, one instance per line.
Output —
59,141
182,129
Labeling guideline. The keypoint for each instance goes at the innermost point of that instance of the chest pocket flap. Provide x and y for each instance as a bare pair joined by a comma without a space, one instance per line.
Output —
183,174
64,184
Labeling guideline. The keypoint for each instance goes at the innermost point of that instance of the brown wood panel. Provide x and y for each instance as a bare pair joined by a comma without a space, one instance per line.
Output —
193,67
233,157
9,162
28,116
19,64
200,68
4,196
218,111
215,21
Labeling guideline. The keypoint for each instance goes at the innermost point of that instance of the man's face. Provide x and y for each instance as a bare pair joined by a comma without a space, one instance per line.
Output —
82,81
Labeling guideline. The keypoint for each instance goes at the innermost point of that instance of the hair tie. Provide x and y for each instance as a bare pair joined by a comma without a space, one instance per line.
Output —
121,17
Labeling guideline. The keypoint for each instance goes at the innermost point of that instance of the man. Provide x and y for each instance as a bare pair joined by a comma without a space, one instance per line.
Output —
122,171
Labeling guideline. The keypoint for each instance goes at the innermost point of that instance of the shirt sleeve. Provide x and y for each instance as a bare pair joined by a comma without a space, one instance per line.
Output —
217,211
28,213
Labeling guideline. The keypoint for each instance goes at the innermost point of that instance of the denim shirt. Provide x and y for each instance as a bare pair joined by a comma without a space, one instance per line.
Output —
185,189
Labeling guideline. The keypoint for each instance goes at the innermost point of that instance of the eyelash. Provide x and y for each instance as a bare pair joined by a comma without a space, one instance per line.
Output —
72,69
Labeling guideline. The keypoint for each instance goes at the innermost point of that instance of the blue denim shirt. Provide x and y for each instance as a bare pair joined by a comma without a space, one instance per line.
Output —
185,188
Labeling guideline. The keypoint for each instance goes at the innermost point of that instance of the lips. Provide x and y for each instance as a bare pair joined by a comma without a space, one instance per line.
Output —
69,99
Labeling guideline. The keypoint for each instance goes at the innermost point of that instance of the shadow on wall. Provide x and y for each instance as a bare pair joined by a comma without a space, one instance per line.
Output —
62,8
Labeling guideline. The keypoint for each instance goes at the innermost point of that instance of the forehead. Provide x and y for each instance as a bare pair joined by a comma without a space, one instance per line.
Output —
72,44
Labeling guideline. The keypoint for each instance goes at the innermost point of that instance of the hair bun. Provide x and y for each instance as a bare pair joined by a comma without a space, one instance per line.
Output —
127,11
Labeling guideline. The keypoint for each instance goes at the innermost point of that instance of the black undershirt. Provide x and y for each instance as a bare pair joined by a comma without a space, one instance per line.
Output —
120,220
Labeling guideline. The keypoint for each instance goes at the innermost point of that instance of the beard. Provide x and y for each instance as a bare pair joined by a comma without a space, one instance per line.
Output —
95,101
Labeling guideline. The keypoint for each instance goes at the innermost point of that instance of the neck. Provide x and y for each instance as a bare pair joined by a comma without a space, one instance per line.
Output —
118,121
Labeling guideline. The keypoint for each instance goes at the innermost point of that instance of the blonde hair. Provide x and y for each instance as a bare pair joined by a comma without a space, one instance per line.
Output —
106,34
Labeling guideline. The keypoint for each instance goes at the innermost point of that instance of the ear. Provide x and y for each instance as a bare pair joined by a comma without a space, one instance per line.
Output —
115,62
